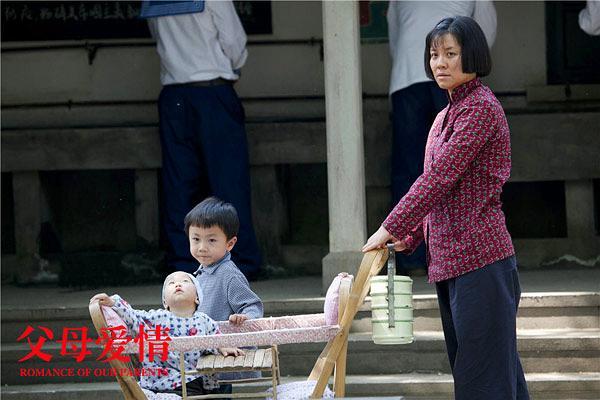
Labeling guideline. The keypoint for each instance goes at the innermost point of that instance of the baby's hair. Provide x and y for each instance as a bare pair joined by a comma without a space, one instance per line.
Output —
214,212
199,295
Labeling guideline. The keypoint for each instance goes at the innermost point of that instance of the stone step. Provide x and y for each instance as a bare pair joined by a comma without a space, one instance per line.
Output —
542,351
567,310
543,386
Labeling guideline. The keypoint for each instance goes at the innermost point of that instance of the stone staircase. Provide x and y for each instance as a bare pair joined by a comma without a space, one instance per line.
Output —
559,343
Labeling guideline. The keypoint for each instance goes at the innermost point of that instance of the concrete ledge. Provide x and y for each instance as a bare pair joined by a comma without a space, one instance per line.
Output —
536,253
561,93
312,305
559,146
110,148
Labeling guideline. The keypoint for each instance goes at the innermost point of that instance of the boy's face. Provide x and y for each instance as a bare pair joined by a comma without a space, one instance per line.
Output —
209,245
179,290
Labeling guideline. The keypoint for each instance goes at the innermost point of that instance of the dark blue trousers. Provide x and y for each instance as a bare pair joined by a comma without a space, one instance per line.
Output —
204,153
413,110
479,312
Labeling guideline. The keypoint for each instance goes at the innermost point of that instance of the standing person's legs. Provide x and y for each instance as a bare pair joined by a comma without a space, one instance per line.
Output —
484,305
222,137
522,390
413,110
181,174
443,295
439,100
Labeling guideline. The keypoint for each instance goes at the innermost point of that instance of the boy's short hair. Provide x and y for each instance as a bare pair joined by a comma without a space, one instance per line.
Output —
214,212
475,52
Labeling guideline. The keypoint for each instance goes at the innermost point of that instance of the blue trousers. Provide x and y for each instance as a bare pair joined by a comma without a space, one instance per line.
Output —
204,153
479,313
413,110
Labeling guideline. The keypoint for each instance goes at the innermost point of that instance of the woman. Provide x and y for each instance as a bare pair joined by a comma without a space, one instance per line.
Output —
455,205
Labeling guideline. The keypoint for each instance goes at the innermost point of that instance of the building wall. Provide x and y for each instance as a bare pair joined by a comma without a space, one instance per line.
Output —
274,70
281,80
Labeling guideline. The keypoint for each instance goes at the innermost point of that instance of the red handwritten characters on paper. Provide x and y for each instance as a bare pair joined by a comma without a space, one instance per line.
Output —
70,341
157,340
36,350
114,340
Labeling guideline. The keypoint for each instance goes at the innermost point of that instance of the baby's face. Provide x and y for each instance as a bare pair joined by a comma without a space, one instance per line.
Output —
209,245
179,290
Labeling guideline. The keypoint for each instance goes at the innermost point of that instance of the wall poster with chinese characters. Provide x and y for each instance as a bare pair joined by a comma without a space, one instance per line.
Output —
82,20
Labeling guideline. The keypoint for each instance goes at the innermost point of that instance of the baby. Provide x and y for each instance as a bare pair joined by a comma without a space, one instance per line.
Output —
181,298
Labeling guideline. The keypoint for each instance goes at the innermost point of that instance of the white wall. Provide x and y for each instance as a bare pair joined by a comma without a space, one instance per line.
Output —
131,73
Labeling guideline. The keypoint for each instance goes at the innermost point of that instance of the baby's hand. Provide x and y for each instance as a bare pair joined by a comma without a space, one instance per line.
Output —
104,300
231,351
237,319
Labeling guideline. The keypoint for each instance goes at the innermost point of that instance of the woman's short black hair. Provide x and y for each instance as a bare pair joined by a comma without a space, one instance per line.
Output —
475,53
213,212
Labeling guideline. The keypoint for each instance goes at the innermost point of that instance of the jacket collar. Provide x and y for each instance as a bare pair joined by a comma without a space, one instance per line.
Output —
462,91
210,269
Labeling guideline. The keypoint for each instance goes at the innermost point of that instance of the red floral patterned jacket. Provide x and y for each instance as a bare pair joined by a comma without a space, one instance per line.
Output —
455,204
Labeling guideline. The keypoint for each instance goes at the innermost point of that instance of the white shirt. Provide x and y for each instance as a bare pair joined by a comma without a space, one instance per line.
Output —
200,46
409,22
589,18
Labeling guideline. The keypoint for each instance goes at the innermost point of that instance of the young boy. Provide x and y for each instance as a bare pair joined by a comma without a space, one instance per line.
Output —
212,228
181,297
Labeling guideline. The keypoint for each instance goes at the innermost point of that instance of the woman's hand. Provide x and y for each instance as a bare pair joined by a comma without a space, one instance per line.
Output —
231,351
104,300
399,245
378,240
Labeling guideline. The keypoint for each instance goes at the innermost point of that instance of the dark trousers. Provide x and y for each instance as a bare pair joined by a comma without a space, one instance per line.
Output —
204,153
479,312
413,110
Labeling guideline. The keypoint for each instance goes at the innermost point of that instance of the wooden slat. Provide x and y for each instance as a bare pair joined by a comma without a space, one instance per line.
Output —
239,361
249,361
268,360
183,379
228,361
339,377
218,362
249,380
206,362
371,264
231,396
258,358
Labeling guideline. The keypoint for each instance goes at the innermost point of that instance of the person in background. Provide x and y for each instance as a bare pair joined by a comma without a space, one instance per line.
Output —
415,98
202,46
589,18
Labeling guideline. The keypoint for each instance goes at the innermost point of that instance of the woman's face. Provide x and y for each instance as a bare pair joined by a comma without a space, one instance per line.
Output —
446,63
